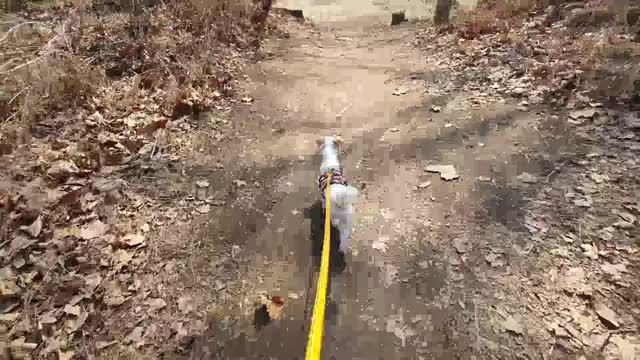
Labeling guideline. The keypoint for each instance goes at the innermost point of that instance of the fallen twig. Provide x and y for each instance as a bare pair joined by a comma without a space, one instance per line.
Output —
15,27
18,94
557,168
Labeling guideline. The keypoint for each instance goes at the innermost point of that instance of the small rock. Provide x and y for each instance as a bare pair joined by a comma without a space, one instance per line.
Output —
483,179
436,108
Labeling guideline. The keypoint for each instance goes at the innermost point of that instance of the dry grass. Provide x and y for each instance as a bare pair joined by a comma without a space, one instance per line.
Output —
494,16
176,46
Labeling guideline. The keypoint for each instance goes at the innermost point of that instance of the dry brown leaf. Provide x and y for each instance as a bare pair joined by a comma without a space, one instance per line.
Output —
156,304
512,325
608,316
75,324
132,240
185,304
447,172
11,317
122,258
72,310
66,355
35,228
93,230
626,350
21,242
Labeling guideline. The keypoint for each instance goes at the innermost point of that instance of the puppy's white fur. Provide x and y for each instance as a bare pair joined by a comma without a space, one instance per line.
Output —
343,198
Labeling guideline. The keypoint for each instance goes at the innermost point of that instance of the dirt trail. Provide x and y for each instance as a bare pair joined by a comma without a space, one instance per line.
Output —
416,284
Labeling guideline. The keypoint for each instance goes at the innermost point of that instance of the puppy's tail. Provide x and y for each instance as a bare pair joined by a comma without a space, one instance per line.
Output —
343,196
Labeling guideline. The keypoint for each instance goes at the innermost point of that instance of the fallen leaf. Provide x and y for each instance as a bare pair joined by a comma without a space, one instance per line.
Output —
599,179
62,169
613,270
48,318
512,325
72,310
92,281
623,225
185,304
203,209
436,108
627,217
156,304
626,350
495,259
585,203
381,244
76,324
21,242
136,335
104,344
19,262
447,172
590,251
483,179
608,317
66,355
585,113
400,91
35,228
93,230
527,178
11,317
202,183
460,245
274,307
122,258
131,240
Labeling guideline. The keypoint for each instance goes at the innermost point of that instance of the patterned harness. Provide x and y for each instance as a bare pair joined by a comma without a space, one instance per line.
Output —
336,179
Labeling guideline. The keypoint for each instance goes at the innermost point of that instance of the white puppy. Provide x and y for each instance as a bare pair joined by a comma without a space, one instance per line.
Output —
343,196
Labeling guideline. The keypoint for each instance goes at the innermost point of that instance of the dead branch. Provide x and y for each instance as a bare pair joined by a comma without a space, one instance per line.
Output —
16,27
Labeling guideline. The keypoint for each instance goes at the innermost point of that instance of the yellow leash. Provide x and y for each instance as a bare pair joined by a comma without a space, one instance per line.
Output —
314,345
